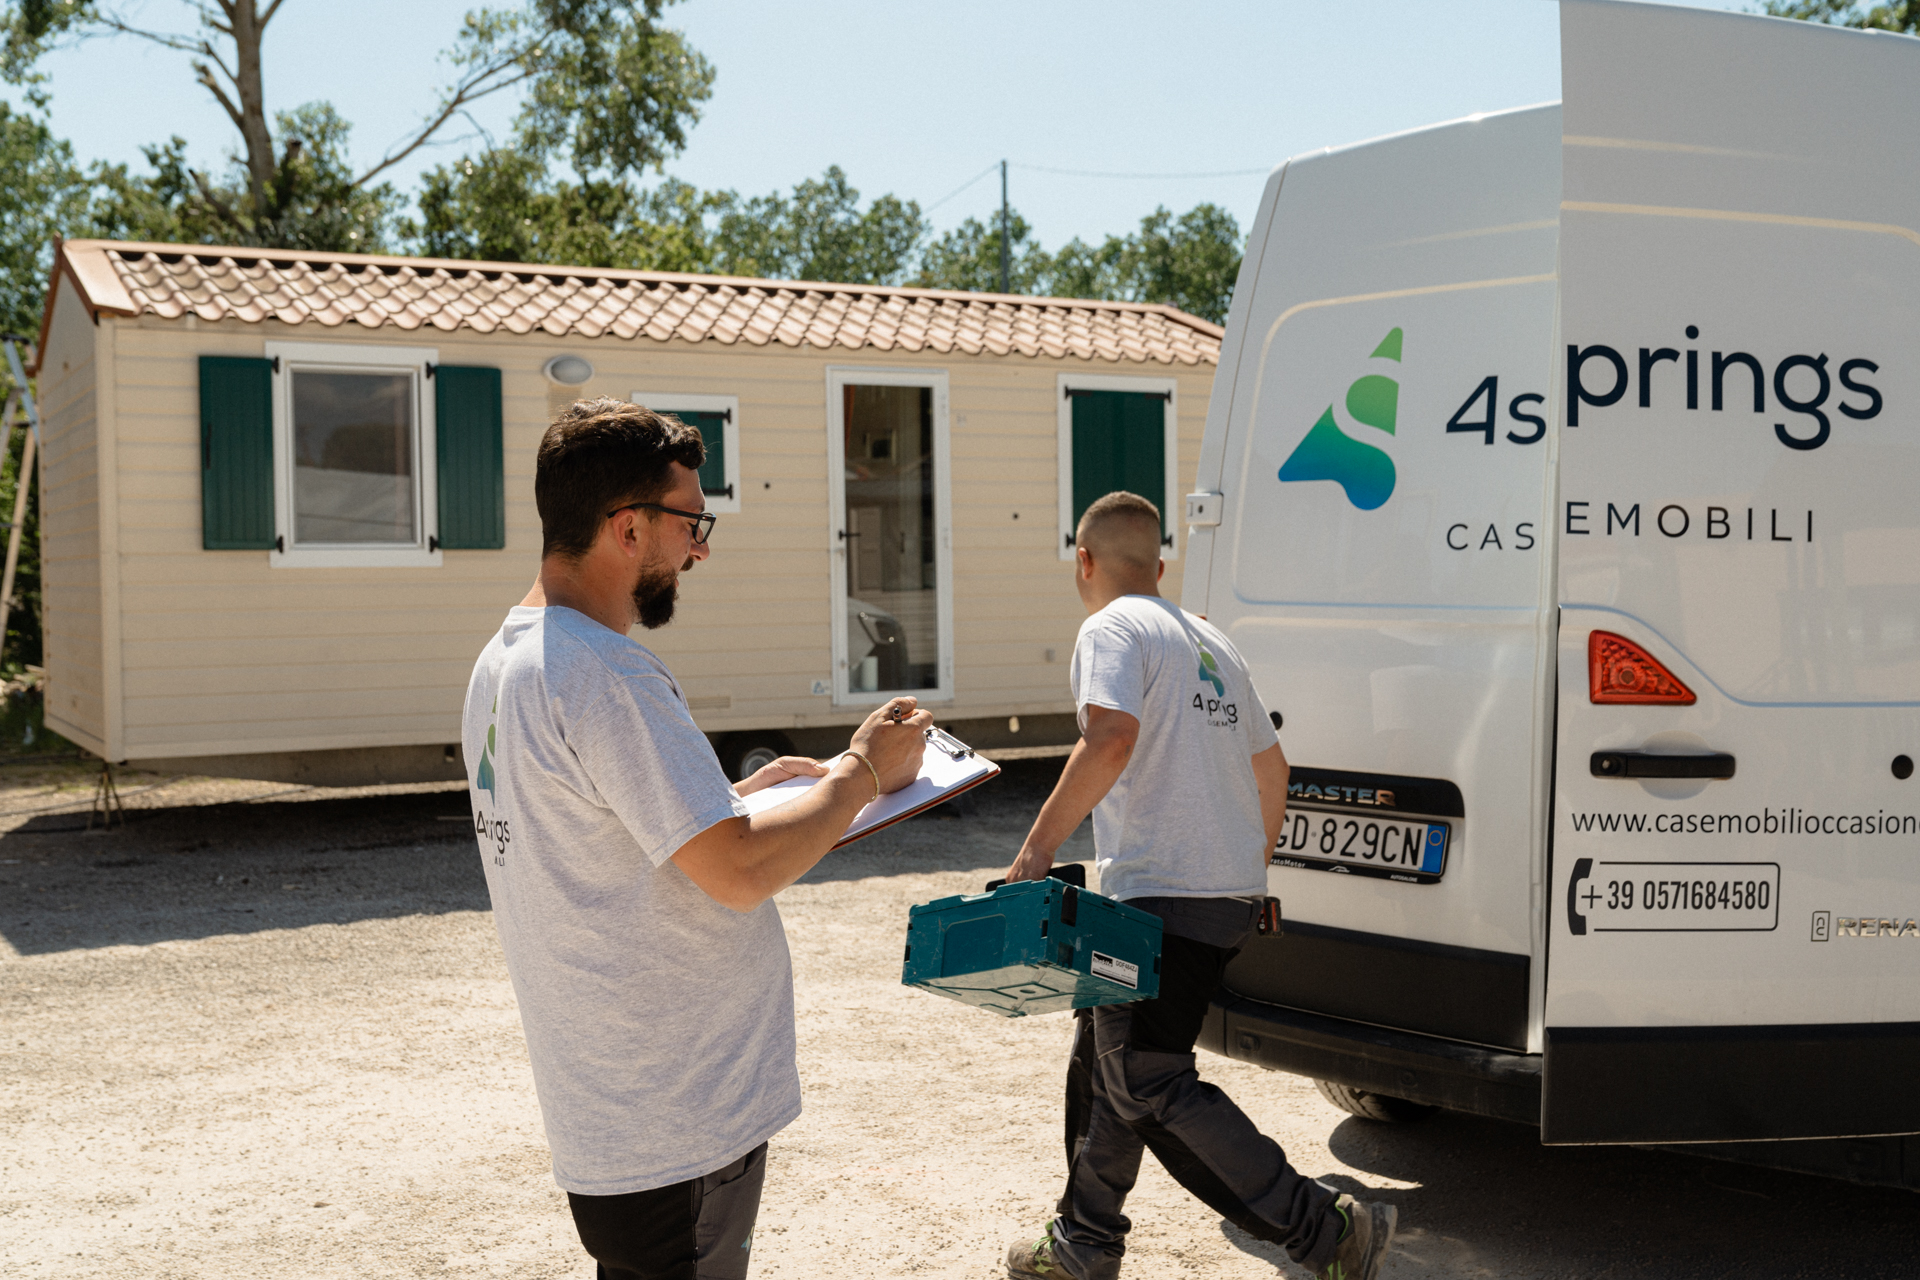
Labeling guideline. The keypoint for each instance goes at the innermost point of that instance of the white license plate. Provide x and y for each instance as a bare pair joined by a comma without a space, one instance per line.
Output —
1390,848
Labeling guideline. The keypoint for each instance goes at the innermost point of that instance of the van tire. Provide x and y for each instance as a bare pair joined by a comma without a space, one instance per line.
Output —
743,753
1373,1106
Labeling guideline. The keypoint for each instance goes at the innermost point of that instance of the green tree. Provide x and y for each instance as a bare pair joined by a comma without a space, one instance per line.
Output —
312,203
606,86
1189,262
1902,16
819,233
968,258
42,194
503,205
22,644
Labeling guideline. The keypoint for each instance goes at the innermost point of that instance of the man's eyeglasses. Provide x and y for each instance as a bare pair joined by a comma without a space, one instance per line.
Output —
703,521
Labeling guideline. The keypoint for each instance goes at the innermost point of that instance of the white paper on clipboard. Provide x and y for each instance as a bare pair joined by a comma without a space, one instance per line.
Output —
941,777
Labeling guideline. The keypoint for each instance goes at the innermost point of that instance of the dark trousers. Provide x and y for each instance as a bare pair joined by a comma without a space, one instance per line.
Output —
701,1229
1132,1086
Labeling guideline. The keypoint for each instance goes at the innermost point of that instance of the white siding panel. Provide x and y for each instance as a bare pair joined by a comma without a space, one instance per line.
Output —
71,619
225,655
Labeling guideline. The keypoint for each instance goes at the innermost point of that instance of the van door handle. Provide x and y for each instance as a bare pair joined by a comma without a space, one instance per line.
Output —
1644,764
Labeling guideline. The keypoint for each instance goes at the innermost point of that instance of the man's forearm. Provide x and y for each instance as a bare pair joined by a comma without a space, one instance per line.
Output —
1270,774
1091,771
742,862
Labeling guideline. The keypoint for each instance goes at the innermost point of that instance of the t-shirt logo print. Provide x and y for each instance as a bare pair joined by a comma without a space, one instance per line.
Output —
1328,453
1210,672
485,780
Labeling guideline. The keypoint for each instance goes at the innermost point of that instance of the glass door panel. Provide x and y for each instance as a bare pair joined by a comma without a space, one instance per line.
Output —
893,588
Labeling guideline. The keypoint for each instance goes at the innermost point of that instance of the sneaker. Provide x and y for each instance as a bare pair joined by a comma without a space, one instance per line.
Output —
1364,1246
1035,1261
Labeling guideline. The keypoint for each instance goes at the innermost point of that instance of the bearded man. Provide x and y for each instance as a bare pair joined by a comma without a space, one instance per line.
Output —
631,889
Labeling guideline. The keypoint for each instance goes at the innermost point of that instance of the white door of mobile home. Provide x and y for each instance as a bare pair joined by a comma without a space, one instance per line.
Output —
889,494
1736,870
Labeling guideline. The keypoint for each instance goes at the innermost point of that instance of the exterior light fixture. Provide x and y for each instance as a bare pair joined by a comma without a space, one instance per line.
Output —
568,371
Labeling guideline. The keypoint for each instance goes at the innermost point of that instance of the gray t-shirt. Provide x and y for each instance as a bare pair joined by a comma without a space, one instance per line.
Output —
1183,821
659,1023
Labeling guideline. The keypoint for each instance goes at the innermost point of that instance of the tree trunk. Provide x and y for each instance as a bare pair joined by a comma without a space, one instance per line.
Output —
247,27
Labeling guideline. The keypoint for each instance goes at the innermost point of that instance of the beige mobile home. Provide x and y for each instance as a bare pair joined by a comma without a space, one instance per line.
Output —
287,496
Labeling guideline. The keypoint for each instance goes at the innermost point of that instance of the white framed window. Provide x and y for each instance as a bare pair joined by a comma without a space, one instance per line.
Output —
1119,433
718,420
354,456
890,529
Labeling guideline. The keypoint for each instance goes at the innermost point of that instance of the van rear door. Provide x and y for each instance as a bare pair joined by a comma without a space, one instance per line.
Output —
1378,444
1735,906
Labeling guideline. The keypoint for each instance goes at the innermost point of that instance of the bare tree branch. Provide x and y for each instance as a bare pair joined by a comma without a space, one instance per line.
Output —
271,10
213,87
211,196
185,44
469,90
213,55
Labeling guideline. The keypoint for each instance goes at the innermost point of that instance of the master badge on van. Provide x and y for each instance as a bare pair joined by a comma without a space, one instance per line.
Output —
1328,453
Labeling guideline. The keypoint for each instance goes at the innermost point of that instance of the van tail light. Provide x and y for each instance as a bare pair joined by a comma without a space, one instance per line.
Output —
1618,670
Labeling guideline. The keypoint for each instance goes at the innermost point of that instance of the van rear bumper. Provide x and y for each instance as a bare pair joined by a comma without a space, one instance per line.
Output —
1730,1084
1503,1086
1401,1064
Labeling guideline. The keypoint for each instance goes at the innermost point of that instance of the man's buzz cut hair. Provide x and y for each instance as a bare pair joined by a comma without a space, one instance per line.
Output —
1122,526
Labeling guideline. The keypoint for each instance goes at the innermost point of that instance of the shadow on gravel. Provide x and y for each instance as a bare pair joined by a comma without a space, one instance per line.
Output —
198,871
1540,1211
980,830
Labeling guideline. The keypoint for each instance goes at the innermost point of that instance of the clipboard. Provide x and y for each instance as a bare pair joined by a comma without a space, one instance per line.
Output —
949,767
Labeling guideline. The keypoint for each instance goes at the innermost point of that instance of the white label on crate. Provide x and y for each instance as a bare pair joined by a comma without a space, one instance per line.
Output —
1105,966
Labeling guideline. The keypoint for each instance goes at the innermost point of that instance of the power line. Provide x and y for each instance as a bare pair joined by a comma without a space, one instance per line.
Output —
1092,173
963,186
1089,173
1004,165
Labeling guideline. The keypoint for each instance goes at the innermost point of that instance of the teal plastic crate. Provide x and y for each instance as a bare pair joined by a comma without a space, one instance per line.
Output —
1035,946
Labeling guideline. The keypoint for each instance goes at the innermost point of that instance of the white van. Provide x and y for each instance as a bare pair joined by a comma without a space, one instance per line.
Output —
1561,486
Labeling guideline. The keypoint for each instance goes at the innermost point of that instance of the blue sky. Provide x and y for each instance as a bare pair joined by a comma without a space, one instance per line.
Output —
913,98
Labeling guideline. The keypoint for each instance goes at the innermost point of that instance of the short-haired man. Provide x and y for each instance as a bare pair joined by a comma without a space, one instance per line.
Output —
1187,785
632,893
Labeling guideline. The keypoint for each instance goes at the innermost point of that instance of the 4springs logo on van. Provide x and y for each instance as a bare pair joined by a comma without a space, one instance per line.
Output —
1729,375
1364,470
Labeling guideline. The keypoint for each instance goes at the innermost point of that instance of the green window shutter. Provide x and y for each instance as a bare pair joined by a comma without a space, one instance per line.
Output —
1119,442
236,453
712,425
471,456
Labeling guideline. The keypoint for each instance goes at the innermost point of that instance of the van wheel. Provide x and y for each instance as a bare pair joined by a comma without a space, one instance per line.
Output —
744,754
1373,1106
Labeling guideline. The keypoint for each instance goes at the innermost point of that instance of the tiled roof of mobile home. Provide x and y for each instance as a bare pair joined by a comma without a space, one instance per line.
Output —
332,290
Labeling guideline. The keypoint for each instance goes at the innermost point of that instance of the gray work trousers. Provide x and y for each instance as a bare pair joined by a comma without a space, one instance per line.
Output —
700,1229
1132,1085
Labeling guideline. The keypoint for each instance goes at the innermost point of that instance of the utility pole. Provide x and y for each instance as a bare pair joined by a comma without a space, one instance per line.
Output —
1006,245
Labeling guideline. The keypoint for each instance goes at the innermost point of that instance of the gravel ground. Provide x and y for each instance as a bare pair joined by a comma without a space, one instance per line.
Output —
267,1030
